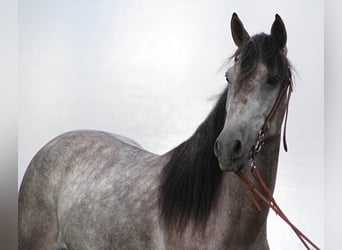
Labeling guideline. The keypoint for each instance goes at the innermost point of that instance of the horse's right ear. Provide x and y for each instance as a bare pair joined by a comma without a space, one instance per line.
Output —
239,34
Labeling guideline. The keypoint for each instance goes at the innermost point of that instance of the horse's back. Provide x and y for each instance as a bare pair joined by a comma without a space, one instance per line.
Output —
82,188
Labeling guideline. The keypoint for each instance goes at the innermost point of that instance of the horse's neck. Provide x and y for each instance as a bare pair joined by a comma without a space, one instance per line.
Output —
244,221
267,161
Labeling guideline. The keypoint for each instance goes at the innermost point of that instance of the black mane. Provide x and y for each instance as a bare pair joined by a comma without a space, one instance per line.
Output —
190,180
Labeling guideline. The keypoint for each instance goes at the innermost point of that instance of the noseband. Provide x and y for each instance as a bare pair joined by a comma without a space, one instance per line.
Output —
267,196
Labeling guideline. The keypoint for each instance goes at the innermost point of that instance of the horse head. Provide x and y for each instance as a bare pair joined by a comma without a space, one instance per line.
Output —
256,80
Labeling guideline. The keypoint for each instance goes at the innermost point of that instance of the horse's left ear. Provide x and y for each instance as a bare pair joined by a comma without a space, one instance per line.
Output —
278,31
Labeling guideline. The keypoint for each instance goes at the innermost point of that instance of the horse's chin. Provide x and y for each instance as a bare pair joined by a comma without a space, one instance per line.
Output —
232,166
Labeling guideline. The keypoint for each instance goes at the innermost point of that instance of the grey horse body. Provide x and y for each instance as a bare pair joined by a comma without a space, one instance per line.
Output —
76,168
99,200
95,190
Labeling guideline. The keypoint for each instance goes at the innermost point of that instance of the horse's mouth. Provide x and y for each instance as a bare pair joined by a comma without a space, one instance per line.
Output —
232,165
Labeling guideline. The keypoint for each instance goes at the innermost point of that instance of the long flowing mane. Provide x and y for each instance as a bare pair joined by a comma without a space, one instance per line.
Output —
190,180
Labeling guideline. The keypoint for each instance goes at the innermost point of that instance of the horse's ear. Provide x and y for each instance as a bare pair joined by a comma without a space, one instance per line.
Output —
278,32
239,34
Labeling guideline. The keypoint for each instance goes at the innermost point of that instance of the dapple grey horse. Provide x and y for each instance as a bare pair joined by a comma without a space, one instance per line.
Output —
96,190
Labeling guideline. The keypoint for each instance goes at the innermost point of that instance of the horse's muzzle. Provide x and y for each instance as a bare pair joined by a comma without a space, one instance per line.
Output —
230,154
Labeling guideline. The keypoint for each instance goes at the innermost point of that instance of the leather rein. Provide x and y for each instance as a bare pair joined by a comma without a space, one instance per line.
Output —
264,193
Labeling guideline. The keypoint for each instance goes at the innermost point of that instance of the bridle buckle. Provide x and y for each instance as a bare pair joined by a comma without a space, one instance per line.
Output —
260,142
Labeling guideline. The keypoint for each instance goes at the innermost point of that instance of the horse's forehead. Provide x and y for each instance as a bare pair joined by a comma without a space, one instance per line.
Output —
235,70
254,80
259,73
243,90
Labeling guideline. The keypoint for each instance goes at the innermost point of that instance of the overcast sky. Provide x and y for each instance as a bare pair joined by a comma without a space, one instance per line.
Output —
150,70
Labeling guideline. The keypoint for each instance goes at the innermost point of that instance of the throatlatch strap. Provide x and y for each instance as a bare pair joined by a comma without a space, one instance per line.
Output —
286,114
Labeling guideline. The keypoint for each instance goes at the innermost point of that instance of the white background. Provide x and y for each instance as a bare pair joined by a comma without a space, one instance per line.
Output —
150,70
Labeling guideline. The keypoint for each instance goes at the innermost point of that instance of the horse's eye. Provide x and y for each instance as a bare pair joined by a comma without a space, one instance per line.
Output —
272,80
227,78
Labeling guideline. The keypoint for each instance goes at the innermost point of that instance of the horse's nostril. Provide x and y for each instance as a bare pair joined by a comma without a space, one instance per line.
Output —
237,147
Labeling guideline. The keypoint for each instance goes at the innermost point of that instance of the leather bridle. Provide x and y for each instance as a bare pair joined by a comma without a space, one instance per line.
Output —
267,196
260,140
